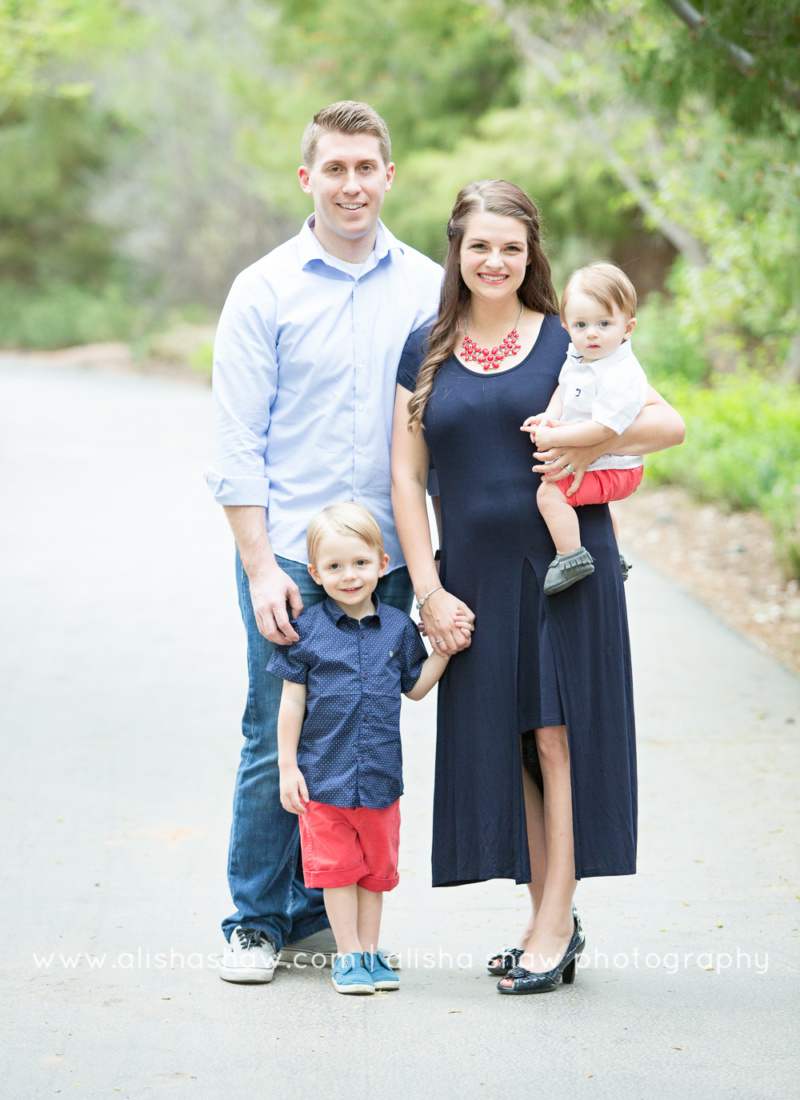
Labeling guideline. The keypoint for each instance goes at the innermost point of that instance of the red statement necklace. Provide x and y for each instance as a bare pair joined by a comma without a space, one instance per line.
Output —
491,358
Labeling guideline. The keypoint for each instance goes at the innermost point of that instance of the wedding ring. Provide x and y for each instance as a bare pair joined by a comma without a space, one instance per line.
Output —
569,468
438,641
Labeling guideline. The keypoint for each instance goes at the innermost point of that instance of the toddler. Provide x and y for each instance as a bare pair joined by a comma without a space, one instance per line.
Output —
339,747
601,391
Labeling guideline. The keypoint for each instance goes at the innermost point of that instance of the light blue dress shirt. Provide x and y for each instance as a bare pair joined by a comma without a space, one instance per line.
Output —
305,365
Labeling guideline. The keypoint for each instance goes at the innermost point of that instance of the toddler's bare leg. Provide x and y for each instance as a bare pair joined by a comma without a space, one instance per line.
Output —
370,906
560,517
341,905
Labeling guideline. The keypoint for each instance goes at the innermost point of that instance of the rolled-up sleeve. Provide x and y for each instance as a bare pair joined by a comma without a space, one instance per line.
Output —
290,662
245,381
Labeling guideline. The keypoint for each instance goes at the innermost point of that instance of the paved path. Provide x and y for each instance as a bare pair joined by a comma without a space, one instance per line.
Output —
122,685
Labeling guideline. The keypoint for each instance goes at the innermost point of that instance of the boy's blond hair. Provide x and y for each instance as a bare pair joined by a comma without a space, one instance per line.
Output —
348,116
346,519
606,283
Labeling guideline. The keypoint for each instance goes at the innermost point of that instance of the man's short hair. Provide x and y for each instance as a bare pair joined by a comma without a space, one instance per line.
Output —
345,117
607,284
346,519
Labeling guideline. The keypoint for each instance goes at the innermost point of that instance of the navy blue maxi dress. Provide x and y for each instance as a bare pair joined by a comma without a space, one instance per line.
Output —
534,660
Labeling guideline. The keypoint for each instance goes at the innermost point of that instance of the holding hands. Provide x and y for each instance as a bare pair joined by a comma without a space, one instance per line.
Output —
448,622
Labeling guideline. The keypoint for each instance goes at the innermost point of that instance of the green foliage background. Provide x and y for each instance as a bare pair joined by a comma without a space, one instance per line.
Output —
148,152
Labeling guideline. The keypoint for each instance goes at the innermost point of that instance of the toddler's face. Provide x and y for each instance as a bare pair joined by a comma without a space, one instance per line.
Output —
347,568
594,330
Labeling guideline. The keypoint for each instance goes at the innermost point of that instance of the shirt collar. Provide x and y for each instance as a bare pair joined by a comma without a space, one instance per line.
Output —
310,249
336,614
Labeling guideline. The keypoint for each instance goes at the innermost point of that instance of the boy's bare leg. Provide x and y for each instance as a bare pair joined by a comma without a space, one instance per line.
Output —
341,905
370,907
560,517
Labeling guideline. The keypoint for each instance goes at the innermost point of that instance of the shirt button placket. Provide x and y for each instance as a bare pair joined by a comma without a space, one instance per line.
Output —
359,390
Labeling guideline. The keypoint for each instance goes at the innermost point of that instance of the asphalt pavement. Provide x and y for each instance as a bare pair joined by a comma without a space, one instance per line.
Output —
123,681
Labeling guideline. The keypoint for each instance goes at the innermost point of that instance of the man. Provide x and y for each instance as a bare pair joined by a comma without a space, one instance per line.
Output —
304,379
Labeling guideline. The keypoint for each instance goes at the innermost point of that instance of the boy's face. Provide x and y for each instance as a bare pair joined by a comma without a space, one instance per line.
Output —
594,330
348,182
348,569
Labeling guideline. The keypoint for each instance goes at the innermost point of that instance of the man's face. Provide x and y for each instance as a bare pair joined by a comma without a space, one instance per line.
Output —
348,182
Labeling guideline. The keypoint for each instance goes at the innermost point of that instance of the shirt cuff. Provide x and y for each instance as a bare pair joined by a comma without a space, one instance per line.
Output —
242,491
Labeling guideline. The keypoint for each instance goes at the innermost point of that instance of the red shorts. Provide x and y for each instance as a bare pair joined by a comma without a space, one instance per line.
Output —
344,846
601,486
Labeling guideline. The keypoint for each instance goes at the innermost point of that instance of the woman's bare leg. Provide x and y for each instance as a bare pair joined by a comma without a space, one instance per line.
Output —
553,926
534,817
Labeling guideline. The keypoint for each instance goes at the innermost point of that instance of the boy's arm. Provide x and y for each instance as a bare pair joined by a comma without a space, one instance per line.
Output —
294,792
587,434
430,674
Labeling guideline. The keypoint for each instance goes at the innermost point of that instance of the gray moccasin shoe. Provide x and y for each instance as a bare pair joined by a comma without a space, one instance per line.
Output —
566,569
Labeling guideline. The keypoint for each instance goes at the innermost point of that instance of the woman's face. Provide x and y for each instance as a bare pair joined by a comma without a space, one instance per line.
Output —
494,256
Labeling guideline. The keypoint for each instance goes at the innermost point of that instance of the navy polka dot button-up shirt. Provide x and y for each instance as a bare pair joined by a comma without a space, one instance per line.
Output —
355,672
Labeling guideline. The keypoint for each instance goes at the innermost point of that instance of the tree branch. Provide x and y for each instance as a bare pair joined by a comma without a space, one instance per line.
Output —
742,59
541,55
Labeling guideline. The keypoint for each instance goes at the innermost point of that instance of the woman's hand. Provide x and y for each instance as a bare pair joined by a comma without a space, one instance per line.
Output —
448,623
560,462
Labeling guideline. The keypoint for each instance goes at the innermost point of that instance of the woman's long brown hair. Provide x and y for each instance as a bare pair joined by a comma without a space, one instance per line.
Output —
536,291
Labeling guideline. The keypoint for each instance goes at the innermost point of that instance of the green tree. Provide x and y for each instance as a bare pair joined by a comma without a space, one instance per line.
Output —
741,53
35,32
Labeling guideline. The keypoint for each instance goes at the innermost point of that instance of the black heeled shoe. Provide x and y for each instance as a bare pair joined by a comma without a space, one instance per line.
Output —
525,981
510,956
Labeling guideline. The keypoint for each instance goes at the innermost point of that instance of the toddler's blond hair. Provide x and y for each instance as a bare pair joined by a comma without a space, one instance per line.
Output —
607,284
346,518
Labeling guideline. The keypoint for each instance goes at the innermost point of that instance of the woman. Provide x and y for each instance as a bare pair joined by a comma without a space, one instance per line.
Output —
547,678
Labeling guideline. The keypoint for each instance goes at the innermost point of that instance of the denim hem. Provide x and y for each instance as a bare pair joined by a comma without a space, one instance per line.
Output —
309,927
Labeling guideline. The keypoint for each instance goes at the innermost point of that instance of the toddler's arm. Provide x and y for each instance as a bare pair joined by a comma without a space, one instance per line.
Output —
431,673
294,792
587,434
552,412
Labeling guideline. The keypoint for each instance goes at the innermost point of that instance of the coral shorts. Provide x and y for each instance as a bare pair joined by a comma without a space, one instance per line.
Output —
601,486
344,846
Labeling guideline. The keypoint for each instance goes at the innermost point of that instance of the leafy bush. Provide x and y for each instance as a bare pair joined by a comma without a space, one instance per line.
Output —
61,315
742,450
664,348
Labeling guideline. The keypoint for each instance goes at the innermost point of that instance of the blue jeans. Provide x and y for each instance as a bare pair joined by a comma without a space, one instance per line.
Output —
265,871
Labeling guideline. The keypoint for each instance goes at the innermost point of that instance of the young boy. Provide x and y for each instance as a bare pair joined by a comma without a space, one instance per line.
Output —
339,749
601,391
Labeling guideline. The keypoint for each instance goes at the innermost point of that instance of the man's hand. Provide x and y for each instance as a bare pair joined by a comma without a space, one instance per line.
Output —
270,590
294,792
448,623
